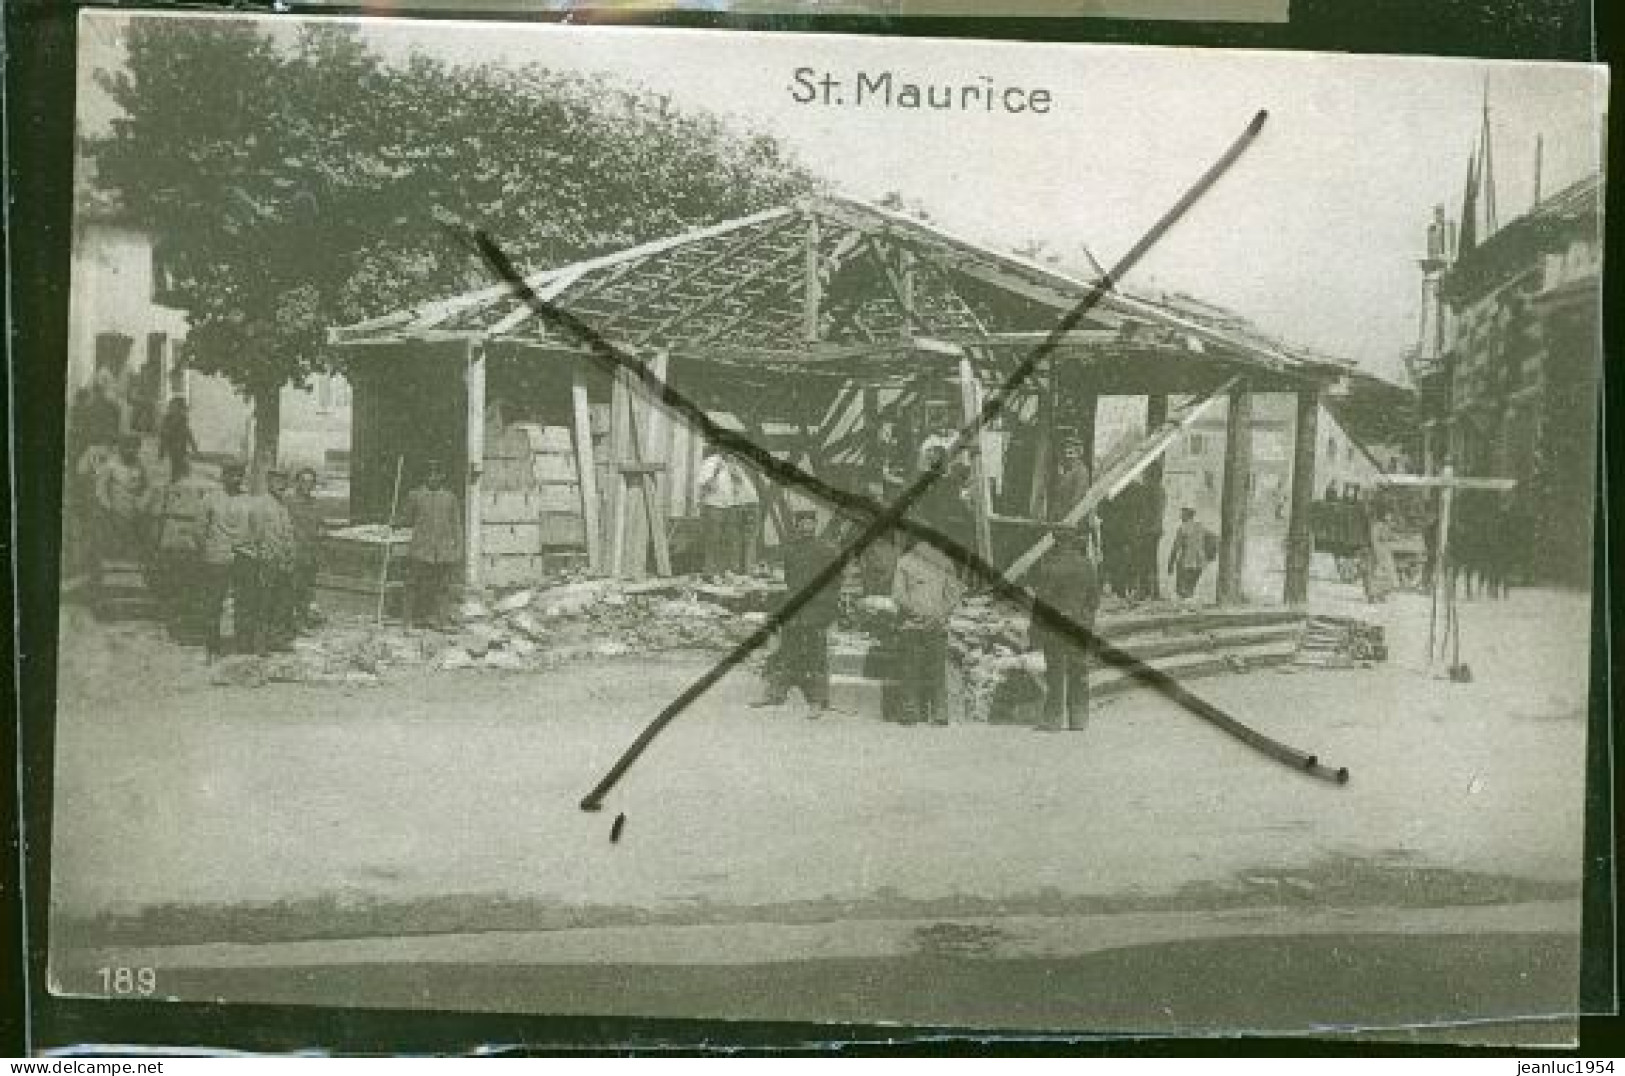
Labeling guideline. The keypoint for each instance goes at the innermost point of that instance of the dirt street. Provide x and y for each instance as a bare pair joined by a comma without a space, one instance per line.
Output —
447,800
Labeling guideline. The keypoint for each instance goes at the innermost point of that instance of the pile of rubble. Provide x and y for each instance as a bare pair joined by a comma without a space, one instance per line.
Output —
529,628
987,642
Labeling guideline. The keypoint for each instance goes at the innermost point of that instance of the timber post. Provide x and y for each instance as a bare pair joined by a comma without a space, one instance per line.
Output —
1088,416
474,393
874,449
586,467
970,398
1299,536
1156,417
813,294
1044,451
1238,458
618,496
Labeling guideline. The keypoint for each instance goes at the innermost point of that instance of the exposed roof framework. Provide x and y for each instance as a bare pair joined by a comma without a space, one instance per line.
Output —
829,287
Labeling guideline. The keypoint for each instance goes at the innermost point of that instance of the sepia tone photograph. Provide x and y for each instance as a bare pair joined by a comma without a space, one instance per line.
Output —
738,526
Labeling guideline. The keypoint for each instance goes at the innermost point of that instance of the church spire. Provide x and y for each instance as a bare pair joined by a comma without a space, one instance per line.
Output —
1486,167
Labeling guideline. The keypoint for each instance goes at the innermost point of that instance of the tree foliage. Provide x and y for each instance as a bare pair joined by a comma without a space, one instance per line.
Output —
300,181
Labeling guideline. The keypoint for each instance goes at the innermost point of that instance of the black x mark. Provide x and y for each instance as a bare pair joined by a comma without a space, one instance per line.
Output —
885,518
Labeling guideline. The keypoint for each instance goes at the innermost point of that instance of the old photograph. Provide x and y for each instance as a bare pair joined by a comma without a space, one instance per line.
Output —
853,530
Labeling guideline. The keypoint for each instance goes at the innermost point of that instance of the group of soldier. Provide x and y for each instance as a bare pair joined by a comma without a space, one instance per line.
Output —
922,582
259,550
1124,535
208,547
921,586
202,547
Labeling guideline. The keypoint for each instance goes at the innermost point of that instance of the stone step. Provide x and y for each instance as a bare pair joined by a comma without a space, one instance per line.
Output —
1192,665
1107,683
852,661
1153,649
864,696
856,695
1113,627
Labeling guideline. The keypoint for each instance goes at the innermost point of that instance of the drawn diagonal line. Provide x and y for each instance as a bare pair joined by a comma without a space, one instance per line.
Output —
889,517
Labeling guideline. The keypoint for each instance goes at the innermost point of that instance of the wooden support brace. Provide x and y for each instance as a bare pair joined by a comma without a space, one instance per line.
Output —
1111,483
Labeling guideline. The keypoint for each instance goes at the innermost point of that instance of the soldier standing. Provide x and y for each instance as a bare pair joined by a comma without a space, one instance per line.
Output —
226,545
1189,555
926,590
435,554
1149,507
122,490
1068,585
176,442
802,658
275,556
179,564
306,515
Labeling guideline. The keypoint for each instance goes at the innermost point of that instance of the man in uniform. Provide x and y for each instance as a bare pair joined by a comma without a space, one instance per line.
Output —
802,658
1149,504
122,490
179,567
926,589
1067,583
176,443
1071,486
226,545
1117,543
306,515
435,555
1073,479
274,556
1189,554
727,510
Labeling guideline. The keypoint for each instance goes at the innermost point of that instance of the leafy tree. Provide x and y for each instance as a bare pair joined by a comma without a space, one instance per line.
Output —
296,181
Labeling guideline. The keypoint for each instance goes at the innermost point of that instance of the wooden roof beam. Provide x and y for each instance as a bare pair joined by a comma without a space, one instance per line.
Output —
750,241
1033,281
525,311
670,323
765,273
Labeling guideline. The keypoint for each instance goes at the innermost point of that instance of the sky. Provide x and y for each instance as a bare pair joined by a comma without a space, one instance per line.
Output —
1314,233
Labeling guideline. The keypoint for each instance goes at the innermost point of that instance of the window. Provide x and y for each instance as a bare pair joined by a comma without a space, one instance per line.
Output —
1209,481
1195,444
